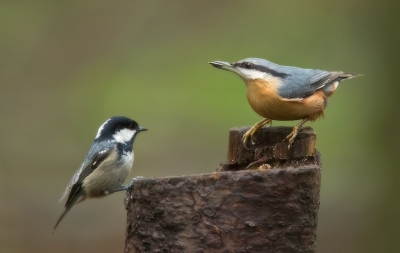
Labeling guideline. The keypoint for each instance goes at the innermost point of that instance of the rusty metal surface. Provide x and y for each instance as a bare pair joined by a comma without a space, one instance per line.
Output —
245,211
263,199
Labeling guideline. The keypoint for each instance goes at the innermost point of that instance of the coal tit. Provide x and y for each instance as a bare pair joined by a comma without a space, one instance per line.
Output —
107,164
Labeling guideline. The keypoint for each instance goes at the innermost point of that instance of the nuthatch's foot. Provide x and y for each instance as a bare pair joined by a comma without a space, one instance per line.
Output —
251,132
292,136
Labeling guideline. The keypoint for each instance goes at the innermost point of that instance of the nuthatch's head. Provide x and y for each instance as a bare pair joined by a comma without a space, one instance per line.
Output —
252,68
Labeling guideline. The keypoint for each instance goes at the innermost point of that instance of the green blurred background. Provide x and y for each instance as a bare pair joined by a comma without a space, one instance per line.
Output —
67,66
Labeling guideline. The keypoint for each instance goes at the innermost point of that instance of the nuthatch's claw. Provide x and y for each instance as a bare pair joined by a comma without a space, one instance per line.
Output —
252,132
292,136
253,138
246,137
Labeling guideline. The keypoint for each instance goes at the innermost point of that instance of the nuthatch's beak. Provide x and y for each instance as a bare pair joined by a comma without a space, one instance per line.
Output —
223,65
142,129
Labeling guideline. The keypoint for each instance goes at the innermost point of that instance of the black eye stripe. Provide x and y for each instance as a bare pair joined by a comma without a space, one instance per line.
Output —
245,65
249,65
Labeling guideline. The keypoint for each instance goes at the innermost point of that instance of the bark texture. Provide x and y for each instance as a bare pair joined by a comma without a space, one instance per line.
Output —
271,207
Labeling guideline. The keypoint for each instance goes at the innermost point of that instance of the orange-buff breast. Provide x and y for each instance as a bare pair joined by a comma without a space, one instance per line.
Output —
264,100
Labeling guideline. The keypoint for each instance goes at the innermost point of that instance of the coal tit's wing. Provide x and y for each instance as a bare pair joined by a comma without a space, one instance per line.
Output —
91,162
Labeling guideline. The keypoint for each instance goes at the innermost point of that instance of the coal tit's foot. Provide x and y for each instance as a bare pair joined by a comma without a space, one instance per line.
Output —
126,187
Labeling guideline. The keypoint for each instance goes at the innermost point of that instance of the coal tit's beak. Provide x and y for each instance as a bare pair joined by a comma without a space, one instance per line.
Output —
142,129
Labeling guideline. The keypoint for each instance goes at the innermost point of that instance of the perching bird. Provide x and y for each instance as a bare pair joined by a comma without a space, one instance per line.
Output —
106,165
283,93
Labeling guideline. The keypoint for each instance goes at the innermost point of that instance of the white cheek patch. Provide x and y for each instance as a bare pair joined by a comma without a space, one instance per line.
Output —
124,135
252,74
101,129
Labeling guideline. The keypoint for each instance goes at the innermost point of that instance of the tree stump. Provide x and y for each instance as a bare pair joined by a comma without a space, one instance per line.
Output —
261,200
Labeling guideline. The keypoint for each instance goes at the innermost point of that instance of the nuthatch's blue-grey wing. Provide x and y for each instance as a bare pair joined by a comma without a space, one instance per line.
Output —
302,83
91,162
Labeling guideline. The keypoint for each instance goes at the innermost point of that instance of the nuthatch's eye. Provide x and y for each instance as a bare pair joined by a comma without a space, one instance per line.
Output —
247,65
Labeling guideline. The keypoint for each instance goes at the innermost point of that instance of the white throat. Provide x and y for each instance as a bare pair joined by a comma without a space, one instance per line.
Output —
124,135
253,74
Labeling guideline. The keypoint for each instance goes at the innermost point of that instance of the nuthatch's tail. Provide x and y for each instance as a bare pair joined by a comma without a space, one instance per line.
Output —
348,76
335,78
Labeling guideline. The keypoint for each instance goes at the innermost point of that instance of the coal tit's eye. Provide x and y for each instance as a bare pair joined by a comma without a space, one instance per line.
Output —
247,65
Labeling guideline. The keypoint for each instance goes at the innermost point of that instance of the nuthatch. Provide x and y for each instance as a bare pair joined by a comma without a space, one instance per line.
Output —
283,93
106,165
